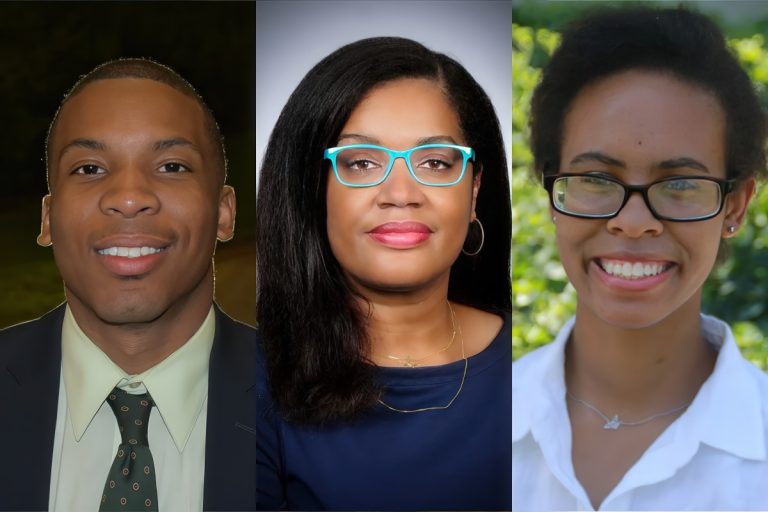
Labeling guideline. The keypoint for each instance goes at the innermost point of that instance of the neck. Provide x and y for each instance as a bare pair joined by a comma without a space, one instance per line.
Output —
137,346
411,325
662,365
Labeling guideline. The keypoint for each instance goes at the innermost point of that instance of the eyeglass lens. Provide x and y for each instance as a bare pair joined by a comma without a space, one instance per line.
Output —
680,198
361,166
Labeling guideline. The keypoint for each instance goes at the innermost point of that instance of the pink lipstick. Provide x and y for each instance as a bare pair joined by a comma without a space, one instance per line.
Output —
401,235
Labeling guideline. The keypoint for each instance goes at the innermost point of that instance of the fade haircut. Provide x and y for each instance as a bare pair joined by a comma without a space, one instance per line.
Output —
149,70
680,43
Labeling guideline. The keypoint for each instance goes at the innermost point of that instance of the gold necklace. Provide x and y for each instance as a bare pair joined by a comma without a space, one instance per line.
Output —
408,362
461,384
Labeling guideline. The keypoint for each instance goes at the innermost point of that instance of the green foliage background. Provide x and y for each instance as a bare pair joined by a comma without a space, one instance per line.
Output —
737,290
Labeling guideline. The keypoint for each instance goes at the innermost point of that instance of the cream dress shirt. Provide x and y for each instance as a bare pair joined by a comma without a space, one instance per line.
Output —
86,437
713,457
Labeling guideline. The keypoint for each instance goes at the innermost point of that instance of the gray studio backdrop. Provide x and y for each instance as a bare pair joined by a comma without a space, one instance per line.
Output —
293,36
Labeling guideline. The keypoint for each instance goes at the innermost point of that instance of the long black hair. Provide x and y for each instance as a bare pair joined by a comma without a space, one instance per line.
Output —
314,336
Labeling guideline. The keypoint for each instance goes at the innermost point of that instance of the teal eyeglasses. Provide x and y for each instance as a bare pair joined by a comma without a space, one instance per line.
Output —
367,165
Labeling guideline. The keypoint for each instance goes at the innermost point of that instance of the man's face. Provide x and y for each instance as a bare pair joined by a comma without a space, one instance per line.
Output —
136,203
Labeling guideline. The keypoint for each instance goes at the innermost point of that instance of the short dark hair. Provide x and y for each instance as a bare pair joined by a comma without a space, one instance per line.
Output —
684,44
150,70
314,335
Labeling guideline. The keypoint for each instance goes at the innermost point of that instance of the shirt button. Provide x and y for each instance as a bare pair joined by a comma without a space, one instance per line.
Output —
134,385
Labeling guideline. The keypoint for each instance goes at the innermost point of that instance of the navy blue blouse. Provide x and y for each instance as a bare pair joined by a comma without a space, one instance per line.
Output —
459,458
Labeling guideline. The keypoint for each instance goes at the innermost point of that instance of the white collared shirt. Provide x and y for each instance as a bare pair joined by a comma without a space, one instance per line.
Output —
713,457
87,435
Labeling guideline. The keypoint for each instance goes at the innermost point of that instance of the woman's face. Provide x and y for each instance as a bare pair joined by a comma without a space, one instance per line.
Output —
640,126
400,235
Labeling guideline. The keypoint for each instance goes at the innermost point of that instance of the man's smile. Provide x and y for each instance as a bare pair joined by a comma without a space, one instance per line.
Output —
128,252
131,255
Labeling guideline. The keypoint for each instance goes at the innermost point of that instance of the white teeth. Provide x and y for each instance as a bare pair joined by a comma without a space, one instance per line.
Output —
629,270
128,252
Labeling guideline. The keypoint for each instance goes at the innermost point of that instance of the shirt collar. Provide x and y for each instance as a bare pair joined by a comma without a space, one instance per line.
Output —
538,383
178,384
727,412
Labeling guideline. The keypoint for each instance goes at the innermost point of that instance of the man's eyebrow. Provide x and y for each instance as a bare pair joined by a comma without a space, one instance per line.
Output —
84,143
676,163
176,141
596,156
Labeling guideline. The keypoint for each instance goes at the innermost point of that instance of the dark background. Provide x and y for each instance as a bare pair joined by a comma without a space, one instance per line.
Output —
44,48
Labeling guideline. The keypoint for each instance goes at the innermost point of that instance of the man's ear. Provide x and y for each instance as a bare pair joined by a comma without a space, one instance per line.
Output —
44,238
227,212
736,206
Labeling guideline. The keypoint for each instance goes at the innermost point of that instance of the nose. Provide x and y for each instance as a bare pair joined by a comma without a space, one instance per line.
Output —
129,193
635,219
400,188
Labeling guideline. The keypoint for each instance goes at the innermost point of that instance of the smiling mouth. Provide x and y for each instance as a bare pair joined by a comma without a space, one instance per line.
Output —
633,269
129,252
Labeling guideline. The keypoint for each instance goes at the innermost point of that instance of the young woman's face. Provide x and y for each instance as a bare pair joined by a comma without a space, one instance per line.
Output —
640,126
400,235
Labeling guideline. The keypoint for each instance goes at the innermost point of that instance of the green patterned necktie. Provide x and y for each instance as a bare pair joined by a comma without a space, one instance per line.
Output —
130,484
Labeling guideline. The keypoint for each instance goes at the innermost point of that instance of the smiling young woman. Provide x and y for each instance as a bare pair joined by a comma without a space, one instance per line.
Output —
384,296
649,151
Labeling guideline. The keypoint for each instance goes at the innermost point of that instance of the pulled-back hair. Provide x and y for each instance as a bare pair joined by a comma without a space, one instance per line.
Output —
149,70
314,336
681,43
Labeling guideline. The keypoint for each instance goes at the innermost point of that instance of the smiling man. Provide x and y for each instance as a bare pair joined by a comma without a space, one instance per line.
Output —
134,394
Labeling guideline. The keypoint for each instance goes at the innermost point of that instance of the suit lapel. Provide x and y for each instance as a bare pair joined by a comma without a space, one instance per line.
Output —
30,362
30,366
230,441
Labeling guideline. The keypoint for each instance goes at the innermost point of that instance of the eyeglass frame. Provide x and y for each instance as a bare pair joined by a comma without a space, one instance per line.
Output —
467,153
726,187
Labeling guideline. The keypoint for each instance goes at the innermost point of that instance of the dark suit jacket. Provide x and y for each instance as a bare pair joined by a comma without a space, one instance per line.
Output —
30,364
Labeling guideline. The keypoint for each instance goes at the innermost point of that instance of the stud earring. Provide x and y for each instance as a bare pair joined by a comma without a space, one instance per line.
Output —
731,229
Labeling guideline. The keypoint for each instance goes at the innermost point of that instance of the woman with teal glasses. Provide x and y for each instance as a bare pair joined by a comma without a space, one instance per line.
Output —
383,239
648,137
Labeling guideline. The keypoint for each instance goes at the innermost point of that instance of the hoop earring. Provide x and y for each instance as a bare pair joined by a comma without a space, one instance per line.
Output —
482,240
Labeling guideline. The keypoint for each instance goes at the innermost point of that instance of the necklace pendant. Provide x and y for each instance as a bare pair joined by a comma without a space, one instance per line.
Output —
612,424
410,363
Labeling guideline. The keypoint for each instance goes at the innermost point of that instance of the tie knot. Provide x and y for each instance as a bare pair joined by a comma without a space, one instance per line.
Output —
132,413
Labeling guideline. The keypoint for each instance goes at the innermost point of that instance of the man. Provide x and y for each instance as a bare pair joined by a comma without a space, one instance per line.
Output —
136,171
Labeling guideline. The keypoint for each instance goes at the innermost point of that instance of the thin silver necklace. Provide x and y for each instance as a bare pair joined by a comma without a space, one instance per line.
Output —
614,423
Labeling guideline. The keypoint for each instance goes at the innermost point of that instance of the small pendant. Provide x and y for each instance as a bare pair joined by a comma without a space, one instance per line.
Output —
410,363
612,424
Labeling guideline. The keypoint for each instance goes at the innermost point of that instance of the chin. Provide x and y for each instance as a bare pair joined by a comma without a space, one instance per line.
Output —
136,310
630,316
119,308
396,284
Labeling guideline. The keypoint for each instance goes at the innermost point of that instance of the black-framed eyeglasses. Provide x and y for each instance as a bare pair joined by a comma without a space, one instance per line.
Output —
676,198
